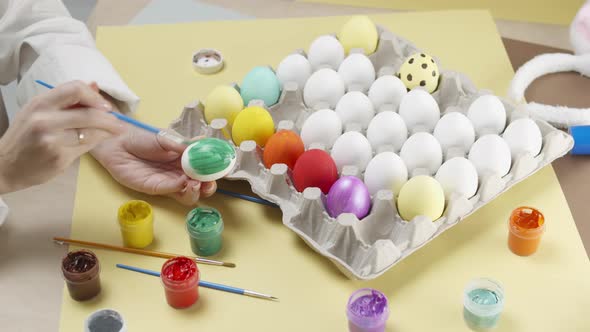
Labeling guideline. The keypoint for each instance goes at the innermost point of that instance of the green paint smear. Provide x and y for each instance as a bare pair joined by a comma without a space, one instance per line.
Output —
211,155
203,220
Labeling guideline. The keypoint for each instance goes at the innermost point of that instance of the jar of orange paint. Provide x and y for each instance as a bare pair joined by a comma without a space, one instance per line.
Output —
526,226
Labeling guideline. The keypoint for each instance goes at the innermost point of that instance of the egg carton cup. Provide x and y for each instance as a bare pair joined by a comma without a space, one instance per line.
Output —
365,249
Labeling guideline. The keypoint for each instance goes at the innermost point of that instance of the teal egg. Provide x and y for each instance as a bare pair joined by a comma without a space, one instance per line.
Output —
261,83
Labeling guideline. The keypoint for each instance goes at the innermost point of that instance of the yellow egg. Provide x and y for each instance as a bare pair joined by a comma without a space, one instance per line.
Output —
421,196
253,123
224,102
420,70
359,32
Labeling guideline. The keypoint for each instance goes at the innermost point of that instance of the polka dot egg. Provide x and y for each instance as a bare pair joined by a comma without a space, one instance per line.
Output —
420,70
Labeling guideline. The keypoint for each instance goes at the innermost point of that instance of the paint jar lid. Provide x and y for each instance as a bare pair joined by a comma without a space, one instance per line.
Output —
207,61
105,320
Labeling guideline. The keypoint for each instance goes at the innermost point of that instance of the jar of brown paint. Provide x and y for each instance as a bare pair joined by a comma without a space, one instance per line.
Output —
81,272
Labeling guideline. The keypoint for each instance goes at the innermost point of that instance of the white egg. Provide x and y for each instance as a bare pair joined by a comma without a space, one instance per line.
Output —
323,127
386,93
323,89
488,115
419,110
458,175
294,68
422,150
358,72
352,148
387,128
386,171
325,51
454,130
523,136
490,154
355,107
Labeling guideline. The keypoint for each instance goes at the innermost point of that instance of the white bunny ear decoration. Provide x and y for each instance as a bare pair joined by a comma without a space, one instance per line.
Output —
559,116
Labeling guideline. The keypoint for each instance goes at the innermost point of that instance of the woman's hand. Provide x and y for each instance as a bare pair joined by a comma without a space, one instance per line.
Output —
150,164
53,130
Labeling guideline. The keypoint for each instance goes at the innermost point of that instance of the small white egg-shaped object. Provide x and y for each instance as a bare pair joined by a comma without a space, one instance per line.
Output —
386,93
422,150
323,127
358,72
355,107
523,136
294,68
386,171
325,52
454,130
488,115
458,175
419,110
323,89
352,148
490,154
387,128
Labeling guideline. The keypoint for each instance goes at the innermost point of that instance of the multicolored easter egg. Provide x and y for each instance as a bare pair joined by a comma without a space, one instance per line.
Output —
315,168
284,147
348,195
253,123
208,159
420,70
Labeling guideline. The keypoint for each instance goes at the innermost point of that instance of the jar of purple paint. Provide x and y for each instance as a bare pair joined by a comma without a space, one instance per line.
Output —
367,311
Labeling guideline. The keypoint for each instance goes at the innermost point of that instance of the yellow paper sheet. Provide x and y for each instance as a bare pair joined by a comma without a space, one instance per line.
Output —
536,11
547,292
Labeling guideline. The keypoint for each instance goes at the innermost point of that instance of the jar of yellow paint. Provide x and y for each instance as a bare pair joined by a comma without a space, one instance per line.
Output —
137,224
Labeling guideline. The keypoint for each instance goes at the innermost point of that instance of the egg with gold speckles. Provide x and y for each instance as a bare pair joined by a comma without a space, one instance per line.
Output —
208,159
253,123
420,70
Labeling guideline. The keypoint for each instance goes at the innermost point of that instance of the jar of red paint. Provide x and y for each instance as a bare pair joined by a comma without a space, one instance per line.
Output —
180,277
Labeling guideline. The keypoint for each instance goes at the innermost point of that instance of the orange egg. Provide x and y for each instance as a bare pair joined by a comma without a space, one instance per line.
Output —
284,147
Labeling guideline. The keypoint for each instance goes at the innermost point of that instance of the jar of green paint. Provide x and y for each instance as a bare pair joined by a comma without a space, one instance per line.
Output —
204,226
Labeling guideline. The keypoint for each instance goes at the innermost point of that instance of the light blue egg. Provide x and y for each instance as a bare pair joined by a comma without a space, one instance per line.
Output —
261,83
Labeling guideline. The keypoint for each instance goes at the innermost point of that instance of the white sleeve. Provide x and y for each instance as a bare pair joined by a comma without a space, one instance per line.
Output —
40,41
4,210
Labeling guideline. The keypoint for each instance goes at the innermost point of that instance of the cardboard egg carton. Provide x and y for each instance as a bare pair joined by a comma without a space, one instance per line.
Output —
365,249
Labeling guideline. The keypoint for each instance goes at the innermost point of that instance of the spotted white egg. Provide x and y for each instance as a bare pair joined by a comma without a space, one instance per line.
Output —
454,130
387,128
422,150
488,115
386,93
355,107
358,72
325,52
386,171
419,110
352,149
321,127
490,154
523,136
458,175
294,68
323,89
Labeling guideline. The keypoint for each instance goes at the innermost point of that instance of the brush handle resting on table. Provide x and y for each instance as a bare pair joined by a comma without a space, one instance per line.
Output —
203,283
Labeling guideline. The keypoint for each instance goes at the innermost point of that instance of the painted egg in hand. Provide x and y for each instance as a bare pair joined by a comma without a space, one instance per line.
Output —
208,159
348,195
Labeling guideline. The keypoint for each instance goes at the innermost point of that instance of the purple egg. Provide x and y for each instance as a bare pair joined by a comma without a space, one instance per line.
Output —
348,195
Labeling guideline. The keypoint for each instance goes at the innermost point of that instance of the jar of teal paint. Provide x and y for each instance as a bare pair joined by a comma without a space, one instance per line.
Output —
483,302
204,226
